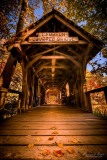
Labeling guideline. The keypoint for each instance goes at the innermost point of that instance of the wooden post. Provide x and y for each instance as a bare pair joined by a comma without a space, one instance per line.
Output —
32,82
105,93
19,104
39,93
3,92
82,72
88,102
80,87
32,98
24,101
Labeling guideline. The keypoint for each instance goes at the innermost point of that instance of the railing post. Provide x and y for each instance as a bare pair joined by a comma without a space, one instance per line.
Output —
88,102
3,92
105,93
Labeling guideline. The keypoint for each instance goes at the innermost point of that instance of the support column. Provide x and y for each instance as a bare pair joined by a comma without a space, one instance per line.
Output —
24,101
3,92
39,94
19,103
105,93
31,104
81,84
88,102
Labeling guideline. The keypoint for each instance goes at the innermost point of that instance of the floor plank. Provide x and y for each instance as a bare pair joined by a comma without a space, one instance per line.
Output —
84,132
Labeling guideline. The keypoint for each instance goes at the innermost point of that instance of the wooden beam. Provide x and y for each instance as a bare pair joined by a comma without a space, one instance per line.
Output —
53,57
58,67
28,33
14,91
39,56
72,28
53,67
70,58
65,81
86,54
40,68
72,51
45,72
54,43
18,48
50,79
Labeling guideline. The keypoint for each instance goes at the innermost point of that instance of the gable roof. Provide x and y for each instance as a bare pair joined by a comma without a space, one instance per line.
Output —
62,59
53,13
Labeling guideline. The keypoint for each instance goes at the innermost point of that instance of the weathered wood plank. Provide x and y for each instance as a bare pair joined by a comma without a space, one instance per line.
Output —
19,131
45,126
80,42
81,152
49,132
44,140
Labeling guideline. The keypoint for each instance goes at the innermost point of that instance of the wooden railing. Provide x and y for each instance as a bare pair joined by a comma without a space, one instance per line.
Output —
11,108
96,105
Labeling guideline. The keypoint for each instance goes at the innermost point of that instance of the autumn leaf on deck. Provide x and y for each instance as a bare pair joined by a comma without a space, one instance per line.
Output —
74,140
58,153
46,152
70,150
55,132
60,144
39,139
53,128
30,145
51,138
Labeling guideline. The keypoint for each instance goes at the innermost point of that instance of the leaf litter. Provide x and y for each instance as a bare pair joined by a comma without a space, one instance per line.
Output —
55,132
58,153
31,145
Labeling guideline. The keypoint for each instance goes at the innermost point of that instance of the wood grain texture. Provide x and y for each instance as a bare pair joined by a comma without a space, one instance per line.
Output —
84,132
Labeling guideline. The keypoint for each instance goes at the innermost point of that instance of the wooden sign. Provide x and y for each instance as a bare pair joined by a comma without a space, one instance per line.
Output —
53,37
49,34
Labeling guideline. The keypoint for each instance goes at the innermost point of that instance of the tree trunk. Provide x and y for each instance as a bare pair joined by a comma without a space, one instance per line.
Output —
21,21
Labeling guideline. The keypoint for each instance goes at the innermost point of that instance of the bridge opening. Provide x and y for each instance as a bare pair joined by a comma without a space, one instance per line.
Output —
52,96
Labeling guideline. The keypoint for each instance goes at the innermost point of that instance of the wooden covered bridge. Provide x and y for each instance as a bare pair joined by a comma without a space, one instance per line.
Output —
55,120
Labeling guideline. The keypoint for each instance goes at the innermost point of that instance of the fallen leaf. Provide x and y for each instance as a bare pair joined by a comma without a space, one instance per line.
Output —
58,153
55,132
60,145
30,145
53,128
39,139
46,152
51,138
8,154
74,140
70,150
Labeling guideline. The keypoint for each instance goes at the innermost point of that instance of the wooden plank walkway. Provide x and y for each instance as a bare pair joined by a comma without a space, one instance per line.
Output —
70,133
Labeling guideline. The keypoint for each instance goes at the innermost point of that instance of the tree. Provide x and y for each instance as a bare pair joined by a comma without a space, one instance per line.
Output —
9,11
89,14
10,15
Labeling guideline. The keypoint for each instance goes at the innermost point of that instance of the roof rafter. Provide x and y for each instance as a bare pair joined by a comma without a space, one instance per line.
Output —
70,58
39,55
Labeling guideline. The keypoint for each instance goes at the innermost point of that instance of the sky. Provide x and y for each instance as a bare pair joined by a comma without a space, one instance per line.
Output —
101,60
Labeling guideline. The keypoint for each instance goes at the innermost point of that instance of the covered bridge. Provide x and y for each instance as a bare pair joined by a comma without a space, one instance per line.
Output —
53,53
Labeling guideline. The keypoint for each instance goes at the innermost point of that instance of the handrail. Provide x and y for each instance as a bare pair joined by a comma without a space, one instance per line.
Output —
97,90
